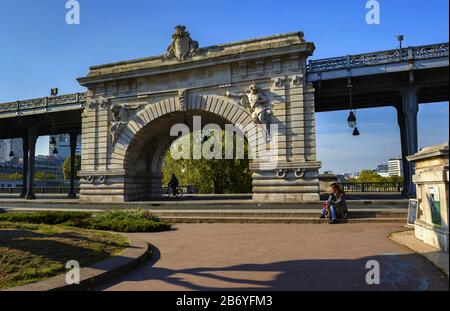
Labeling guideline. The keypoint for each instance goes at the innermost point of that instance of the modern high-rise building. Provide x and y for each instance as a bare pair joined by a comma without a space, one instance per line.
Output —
63,146
395,167
10,149
382,170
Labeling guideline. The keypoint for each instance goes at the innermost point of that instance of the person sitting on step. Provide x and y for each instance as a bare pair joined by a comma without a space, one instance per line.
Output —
336,205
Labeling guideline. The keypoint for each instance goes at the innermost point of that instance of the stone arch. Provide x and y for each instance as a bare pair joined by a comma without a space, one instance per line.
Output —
141,159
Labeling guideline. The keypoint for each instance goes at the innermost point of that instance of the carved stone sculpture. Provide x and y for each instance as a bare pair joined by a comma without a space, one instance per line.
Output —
257,104
121,114
119,121
182,45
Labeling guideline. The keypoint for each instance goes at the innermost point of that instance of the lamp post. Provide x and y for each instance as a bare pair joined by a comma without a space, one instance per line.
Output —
400,39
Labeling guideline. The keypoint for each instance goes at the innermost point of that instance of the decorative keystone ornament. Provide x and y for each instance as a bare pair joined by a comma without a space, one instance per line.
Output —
182,45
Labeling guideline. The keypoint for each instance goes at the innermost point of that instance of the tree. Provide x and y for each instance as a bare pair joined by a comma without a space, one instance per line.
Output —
210,176
66,166
371,176
40,175
394,179
15,176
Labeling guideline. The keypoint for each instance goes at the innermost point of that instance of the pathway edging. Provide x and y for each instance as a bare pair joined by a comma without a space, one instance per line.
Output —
137,251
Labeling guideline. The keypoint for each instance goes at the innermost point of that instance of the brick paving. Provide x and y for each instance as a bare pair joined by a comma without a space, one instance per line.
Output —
278,257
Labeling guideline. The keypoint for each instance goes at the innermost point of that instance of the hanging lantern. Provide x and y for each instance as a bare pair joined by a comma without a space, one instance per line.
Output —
351,120
53,141
11,154
352,116
55,151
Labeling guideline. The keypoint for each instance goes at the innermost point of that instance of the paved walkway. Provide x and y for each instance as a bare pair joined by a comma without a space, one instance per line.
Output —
278,257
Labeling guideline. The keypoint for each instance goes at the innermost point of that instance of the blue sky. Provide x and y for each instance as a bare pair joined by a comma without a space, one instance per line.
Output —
40,51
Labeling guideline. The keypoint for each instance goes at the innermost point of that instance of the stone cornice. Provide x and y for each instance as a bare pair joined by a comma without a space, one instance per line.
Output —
238,51
430,152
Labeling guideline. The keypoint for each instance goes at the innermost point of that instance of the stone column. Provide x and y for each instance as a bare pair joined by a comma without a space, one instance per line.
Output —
407,120
25,149
73,146
32,138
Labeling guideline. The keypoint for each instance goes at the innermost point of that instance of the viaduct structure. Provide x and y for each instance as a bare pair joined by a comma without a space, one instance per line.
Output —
126,115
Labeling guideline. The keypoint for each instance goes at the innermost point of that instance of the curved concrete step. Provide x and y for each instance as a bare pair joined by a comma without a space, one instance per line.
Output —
274,220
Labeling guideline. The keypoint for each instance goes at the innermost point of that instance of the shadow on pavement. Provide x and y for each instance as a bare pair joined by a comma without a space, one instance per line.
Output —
397,273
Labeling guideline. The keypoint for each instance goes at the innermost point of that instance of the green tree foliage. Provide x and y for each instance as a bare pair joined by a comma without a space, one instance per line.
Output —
210,176
43,176
15,176
40,176
66,166
371,176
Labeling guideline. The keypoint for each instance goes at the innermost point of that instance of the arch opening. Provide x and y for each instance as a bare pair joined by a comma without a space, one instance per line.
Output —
145,154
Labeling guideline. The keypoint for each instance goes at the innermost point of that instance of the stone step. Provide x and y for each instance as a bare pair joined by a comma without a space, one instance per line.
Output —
275,220
274,214
239,203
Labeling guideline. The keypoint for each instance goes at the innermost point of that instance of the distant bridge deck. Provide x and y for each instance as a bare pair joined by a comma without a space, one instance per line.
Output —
43,105
416,58
378,77
51,115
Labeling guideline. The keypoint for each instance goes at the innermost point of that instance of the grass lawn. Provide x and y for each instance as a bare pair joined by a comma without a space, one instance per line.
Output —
33,252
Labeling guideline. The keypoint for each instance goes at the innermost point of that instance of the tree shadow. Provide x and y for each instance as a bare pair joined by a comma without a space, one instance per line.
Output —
397,273
55,247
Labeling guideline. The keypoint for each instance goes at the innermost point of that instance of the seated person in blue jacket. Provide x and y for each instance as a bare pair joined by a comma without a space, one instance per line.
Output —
336,206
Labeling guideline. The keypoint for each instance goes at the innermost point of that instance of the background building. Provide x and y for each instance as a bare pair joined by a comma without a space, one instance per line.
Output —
63,146
45,164
383,170
10,149
395,167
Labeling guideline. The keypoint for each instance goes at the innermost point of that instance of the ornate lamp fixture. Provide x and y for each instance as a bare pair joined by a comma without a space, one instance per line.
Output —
11,154
352,116
53,145
351,120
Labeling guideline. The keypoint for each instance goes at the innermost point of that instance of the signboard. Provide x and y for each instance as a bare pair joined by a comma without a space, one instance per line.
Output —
435,205
412,211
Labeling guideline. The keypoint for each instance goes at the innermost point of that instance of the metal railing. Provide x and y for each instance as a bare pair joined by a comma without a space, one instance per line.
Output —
346,186
371,186
380,57
44,102
40,190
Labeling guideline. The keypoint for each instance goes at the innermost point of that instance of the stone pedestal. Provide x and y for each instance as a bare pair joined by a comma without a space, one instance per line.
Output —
289,182
325,180
431,179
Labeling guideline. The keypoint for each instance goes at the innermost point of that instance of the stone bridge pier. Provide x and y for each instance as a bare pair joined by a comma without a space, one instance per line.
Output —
132,106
